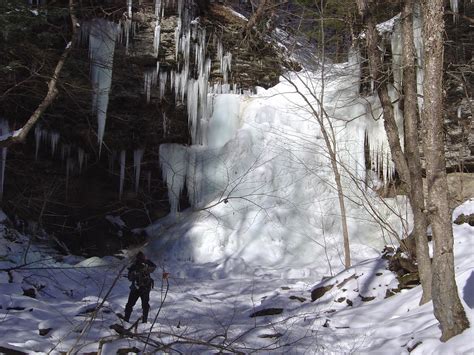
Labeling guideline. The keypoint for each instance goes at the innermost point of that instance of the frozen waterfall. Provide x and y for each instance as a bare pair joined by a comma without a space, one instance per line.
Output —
260,173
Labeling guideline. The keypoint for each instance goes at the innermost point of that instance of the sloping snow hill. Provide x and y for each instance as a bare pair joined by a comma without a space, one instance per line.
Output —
51,304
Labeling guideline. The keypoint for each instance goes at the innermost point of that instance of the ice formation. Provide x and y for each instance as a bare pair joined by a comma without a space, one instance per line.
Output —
102,37
80,158
122,172
258,171
173,163
69,168
163,80
137,161
156,39
54,139
150,78
455,9
40,135
396,43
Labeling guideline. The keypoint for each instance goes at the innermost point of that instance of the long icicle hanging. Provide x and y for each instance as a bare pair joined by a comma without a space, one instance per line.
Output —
137,161
122,172
102,37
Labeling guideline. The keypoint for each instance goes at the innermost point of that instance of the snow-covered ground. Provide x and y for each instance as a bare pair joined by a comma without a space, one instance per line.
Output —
202,312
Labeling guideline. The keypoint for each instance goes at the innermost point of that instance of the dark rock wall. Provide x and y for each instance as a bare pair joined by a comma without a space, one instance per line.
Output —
73,203
459,83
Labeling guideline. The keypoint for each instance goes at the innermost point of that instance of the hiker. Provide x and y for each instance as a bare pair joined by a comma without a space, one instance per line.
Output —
142,283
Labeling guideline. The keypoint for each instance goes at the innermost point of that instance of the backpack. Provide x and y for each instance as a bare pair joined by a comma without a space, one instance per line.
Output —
144,280
140,278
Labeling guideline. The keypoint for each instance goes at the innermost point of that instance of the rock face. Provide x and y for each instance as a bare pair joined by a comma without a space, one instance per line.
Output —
459,82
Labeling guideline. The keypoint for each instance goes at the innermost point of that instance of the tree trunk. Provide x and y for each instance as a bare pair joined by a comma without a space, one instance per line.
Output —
256,16
407,164
411,122
330,140
377,74
22,133
446,303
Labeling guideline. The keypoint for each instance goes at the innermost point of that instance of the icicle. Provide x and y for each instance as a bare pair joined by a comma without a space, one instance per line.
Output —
127,26
226,66
173,165
38,135
396,44
102,38
200,51
137,161
122,172
455,9
156,39
150,80
177,36
163,80
459,112
220,54
80,158
54,139
172,79
129,8
69,167
192,106
157,8
147,86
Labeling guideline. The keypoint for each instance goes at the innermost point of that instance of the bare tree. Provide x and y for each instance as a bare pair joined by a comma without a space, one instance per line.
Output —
52,92
412,153
446,303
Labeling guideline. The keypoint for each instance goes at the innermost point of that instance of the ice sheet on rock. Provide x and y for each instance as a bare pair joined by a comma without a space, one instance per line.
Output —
224,121
261,169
